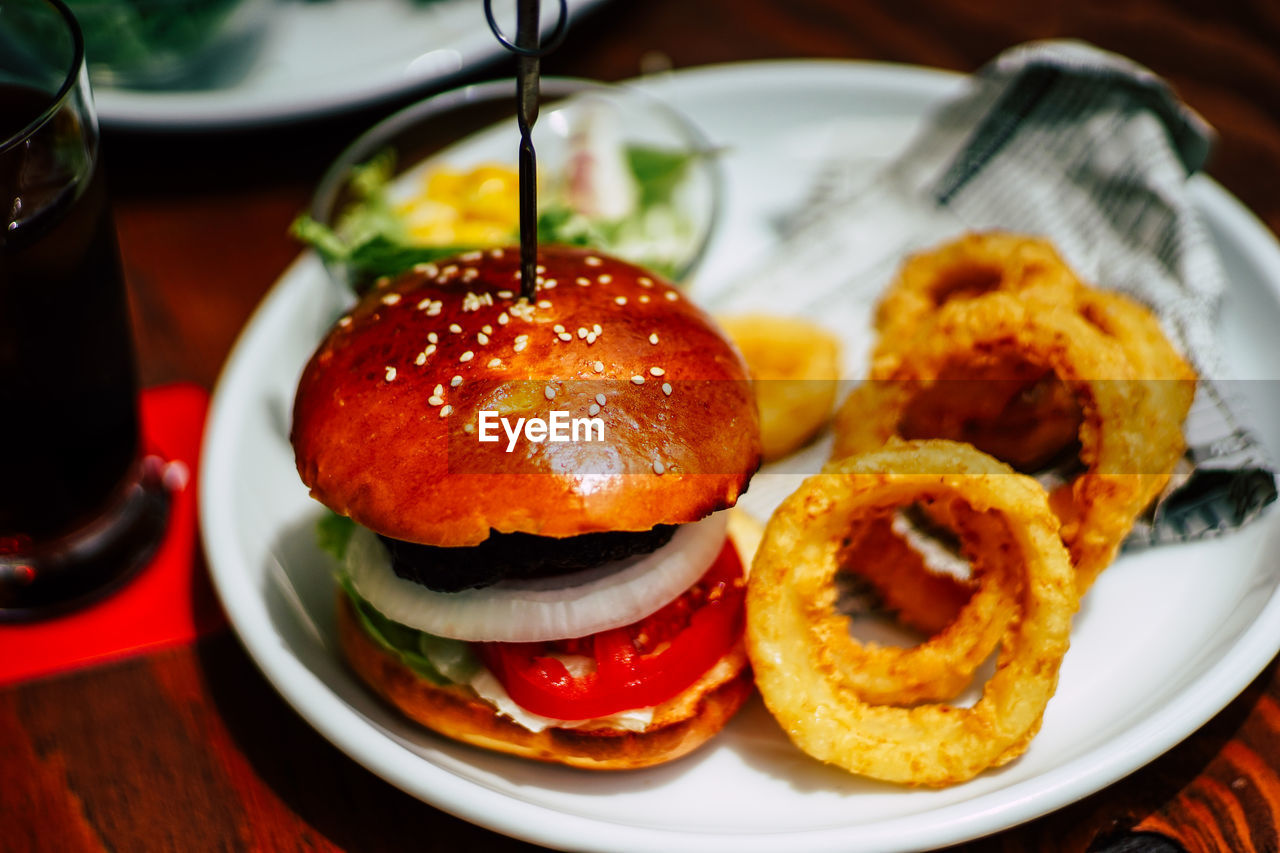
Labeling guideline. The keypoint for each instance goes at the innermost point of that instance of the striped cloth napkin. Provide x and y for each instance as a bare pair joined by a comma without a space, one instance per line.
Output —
1092,151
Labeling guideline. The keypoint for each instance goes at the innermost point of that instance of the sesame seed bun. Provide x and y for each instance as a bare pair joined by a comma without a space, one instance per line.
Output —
385,425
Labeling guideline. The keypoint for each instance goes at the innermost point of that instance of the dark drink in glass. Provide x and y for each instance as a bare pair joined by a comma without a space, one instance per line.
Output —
79,506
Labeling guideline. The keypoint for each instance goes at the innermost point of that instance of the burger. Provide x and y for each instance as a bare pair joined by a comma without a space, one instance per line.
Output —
528,501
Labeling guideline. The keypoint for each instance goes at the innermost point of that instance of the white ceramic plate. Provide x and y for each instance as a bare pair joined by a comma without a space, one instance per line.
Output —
1165,639
322,56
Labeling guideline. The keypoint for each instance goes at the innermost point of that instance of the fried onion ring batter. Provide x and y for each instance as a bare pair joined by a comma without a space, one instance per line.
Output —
1124,468
919,597
805,665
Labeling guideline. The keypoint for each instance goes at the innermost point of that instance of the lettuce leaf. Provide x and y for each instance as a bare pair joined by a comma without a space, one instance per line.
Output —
369,239
658,172
440,660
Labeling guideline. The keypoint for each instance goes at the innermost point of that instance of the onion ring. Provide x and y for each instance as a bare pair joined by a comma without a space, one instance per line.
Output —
919,597
1028,422
1099,506
1018,412
942,666
803,666
1169,379
967,268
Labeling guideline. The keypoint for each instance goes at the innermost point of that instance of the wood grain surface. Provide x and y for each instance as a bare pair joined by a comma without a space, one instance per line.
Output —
190,749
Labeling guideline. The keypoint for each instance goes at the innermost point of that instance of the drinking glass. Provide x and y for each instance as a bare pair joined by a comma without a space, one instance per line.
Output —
80,506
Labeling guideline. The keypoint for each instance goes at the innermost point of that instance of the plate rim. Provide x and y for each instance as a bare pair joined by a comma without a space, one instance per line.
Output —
472,801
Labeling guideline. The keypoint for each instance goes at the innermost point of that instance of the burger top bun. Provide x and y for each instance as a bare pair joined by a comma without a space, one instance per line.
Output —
386,422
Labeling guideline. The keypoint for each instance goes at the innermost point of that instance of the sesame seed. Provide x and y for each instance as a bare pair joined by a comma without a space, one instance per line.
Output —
421,359
446,411
466,356
594,410
455,328
549,284
505,294
666,388
565,336
659,468
438,391
434,310
470,256
503,319
495,362
542,303
539,269
424,304
435,400
345,321
390,299
638,379
592,261
521,338
645,281
591,337
452,269
470,274
495,253
600,398
429,350
656,371
582,332
538,280
596,328
557,328
604,278
621,300
469,428
516,275
427,269
483,339
582,280
644,299
455,381
433,338
653,338
520,345
391,374
672,296
487,329
598,367
550,392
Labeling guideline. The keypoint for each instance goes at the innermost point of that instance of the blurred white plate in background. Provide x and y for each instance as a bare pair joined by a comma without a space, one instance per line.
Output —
323,56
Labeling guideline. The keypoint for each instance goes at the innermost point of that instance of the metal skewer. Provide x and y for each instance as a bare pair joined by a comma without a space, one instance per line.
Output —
529,53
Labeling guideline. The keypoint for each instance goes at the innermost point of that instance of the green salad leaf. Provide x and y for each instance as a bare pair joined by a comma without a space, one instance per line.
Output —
440,660
658,172
370,240
333,532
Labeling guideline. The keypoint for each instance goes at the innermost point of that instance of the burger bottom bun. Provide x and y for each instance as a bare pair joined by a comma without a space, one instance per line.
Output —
680,725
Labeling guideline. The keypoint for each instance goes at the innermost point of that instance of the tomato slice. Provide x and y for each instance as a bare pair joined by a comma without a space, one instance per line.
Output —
637,666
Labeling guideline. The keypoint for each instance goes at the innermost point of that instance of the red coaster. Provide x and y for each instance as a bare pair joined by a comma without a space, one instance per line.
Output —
168,602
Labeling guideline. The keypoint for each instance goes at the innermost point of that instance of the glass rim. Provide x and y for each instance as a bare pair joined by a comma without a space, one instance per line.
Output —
332,182
369,140
70,80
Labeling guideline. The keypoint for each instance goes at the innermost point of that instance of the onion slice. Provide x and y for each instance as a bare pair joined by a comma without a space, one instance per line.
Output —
575,605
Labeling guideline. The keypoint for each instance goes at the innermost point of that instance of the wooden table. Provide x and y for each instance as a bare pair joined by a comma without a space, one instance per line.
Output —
190,749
